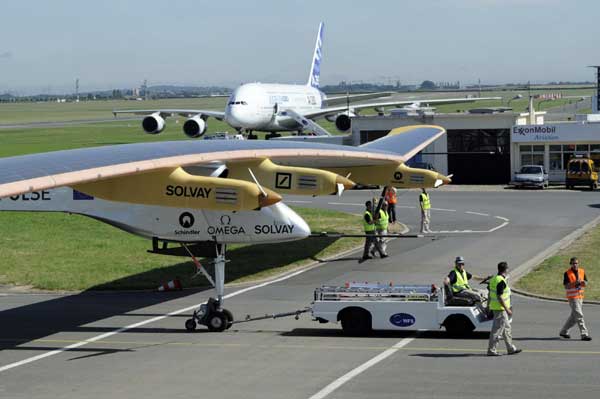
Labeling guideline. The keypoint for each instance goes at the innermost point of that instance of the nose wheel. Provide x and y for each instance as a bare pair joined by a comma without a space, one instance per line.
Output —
211,315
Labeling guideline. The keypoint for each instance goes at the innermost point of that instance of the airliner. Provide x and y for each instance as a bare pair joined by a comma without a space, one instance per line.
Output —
269,107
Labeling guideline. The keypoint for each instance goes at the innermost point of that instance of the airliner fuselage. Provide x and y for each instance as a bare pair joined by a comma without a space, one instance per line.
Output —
258,106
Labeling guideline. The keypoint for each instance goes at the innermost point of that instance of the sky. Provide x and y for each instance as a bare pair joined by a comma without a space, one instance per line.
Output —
46,45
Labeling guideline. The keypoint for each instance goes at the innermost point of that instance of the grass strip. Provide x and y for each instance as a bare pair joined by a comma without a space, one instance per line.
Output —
546,278
55,251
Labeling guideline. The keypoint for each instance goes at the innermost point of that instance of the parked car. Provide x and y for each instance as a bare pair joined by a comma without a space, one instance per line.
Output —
531,176
581,172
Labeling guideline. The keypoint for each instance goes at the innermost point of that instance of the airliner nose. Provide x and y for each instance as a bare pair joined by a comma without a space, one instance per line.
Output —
234,116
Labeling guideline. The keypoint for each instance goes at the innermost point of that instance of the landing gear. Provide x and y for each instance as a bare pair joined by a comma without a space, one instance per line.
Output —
251,136
211,314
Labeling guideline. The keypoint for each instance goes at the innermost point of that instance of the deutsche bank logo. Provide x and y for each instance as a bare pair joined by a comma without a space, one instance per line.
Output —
283,180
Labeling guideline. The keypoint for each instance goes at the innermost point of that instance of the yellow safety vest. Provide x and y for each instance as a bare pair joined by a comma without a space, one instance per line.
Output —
368,227
494,301
425,201
462,283
383,222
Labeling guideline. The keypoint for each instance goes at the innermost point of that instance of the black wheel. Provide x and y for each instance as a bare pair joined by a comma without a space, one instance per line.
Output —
216,322
229,317
458,325
356,322
190,325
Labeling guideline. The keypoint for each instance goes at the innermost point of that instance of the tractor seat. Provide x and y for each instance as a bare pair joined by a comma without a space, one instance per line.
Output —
452,300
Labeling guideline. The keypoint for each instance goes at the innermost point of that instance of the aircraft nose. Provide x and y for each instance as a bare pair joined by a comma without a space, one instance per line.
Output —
302,230
236,116
284,214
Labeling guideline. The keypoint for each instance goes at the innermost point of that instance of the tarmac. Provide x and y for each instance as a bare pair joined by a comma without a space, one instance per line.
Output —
92,345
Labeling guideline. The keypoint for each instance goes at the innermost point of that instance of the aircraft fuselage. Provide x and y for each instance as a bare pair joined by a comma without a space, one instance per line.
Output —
274,223
255,106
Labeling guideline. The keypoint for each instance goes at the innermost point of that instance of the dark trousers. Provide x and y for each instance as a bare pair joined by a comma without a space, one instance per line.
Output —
371,240
392,212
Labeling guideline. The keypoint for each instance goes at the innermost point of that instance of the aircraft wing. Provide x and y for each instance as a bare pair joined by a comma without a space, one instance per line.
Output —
170,112
343,99
126,165
357,107
407,140
22,174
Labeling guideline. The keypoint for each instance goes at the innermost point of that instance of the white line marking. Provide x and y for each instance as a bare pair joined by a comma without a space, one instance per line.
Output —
297,202
406,206
498,227
477,213
442,209
501,218
353,373
139,324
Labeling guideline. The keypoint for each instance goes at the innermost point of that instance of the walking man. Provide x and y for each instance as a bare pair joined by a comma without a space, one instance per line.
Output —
425,204
575,282
381,228
391,199
369,229
499,303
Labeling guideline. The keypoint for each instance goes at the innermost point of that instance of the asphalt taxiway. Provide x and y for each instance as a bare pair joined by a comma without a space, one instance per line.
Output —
134,345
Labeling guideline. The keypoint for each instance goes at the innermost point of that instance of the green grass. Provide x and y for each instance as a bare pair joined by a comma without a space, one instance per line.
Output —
546,278
52,111
55,251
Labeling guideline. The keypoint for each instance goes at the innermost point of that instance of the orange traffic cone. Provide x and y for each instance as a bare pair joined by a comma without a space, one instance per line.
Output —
173,285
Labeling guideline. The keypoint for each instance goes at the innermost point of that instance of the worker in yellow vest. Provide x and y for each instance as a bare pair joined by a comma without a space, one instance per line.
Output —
499,303
369,229
458,281
425,204
575,282
381,228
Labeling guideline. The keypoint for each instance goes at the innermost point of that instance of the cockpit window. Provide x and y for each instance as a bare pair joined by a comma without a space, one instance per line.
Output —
238,103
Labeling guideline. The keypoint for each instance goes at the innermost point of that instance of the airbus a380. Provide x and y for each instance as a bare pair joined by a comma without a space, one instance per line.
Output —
279,107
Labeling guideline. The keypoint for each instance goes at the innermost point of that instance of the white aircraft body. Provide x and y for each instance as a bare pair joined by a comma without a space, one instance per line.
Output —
275,223
280,107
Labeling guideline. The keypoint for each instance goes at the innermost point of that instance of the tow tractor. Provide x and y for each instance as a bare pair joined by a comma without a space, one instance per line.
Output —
362,308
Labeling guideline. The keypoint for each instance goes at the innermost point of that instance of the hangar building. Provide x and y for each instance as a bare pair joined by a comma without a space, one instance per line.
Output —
476,149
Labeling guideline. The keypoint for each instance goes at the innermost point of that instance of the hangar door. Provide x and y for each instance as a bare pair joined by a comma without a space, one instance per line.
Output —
479,156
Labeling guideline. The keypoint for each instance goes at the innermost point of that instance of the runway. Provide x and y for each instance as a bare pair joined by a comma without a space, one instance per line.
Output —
134,345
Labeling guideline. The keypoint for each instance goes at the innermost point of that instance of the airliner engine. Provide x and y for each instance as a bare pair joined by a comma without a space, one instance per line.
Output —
342,121
153,124
194,127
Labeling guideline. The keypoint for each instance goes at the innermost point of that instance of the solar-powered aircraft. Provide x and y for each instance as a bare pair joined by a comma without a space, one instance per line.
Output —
204,195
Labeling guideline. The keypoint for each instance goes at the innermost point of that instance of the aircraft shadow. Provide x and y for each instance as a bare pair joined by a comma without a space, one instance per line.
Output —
74,312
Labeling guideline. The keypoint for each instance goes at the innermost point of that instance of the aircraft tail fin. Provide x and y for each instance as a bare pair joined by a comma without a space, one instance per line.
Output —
315,67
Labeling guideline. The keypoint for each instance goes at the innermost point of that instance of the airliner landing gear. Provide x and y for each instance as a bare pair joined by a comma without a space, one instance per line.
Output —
251,135
212,314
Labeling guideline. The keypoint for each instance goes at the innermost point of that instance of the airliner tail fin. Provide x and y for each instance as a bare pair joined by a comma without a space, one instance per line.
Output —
315,68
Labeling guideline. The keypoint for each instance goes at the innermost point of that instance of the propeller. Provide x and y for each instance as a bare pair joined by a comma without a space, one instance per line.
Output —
266,198
261,189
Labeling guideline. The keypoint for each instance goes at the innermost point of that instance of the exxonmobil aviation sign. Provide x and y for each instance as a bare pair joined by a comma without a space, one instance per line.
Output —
562,132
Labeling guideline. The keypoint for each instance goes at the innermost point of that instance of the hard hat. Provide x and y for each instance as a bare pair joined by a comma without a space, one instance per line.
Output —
459,259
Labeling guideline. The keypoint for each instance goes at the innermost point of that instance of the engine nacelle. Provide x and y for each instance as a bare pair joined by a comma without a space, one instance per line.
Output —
153,124
342,121
194,127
